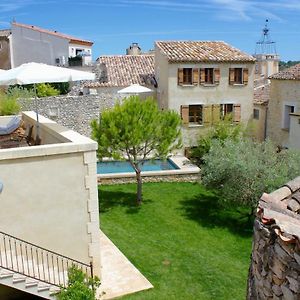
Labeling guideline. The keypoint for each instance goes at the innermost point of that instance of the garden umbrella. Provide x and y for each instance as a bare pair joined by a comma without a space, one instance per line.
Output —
135,89
32,73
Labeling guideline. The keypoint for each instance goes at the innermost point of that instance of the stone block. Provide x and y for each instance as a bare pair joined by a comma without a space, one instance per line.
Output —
282,254
277,281
294,284
278,268
297,257
277,290
293,205
288,294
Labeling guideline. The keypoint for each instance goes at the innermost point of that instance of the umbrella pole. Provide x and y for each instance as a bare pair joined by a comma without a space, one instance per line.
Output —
37,138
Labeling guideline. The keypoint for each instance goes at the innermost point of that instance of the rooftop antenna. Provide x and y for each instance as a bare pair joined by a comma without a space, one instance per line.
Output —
265,45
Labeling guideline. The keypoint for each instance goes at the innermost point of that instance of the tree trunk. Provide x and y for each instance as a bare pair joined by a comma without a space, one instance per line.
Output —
139,187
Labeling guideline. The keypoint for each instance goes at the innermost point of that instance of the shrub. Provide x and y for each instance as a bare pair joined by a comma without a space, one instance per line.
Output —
80,287
45,90
241,170
8,105
222,131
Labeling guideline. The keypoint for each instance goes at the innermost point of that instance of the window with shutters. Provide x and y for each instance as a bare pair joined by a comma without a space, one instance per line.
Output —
195,114
226,110
209,76
187,76
238,76
256,114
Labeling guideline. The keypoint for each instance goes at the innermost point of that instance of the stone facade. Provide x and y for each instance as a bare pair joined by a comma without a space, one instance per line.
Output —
275,263
73,112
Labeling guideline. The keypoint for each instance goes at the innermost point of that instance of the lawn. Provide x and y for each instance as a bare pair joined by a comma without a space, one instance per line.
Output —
185,243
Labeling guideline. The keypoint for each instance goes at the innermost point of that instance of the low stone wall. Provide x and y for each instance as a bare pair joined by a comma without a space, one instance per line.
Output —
73,112
168,178
275,262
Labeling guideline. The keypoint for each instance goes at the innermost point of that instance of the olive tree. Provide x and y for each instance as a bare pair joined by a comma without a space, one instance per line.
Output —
136,130
241,170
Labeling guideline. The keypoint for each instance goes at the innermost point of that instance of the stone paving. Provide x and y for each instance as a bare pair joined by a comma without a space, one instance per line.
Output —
119,275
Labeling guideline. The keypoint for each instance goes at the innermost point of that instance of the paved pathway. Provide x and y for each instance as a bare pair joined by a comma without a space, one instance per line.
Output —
119,275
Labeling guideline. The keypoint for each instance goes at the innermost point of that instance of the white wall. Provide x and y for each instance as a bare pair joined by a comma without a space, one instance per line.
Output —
34,46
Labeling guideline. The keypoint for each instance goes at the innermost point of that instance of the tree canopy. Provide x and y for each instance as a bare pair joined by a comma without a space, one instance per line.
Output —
137,130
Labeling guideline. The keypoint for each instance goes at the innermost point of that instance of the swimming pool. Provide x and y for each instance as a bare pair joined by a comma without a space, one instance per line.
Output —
109,167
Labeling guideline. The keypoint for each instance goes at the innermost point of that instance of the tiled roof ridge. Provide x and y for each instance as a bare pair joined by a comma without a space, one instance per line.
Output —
123,55
54,32
291,73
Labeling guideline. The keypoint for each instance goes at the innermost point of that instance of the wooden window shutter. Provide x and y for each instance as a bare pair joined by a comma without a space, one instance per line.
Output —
231,76
245,76
216,76
237,113
184,112
207,115
180,76
195,76
202,76
216,113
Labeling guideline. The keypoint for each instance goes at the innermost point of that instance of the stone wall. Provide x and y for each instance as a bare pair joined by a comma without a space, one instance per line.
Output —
73,112
275,263
169,178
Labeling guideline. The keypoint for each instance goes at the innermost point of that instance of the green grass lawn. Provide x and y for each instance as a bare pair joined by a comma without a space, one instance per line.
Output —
185,243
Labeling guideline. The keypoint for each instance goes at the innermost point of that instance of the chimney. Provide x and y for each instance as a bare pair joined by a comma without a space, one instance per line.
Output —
134,49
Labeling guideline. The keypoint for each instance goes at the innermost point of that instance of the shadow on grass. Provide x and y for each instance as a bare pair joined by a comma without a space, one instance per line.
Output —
110,199
207,210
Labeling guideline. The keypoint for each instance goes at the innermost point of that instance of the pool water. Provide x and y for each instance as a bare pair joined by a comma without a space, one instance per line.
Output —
107,167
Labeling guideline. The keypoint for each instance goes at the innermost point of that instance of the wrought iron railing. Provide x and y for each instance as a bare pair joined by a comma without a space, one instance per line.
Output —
36,262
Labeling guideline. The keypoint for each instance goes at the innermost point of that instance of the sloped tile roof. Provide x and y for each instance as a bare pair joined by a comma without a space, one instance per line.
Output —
124,70
72,39
282,208
292,73
262,94
202,51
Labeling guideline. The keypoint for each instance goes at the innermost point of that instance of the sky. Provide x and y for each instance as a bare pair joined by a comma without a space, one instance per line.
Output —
114,24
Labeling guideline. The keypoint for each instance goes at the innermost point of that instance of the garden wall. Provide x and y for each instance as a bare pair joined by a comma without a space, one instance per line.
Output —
73,112
275,262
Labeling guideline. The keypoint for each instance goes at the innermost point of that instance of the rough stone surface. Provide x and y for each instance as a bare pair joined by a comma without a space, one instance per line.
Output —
275,266
74,112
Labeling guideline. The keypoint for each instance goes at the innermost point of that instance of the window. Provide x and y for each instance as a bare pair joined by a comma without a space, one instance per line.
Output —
288,109
226,110
209,76
256,114
192,114
238,76
195,114
187,76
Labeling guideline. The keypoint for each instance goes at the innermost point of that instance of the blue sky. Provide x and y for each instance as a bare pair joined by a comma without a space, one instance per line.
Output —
114,24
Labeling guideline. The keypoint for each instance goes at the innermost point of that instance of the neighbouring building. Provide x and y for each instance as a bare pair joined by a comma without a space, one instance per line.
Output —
204,81
283,118
49,215
28,43
114,72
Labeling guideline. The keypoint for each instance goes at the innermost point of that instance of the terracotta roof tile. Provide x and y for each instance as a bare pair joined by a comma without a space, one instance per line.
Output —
202,51
72,39
262,94
124,70
292,73
282,207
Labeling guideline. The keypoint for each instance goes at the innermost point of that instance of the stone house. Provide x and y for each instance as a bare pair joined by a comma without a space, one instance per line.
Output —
27,43
283,117
204,81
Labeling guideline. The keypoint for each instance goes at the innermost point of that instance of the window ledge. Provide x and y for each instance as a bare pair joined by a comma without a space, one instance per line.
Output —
194,125
209,84
238,84
187,85
285,129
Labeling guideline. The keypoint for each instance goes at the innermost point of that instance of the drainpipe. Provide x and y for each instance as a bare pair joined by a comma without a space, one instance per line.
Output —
11,54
